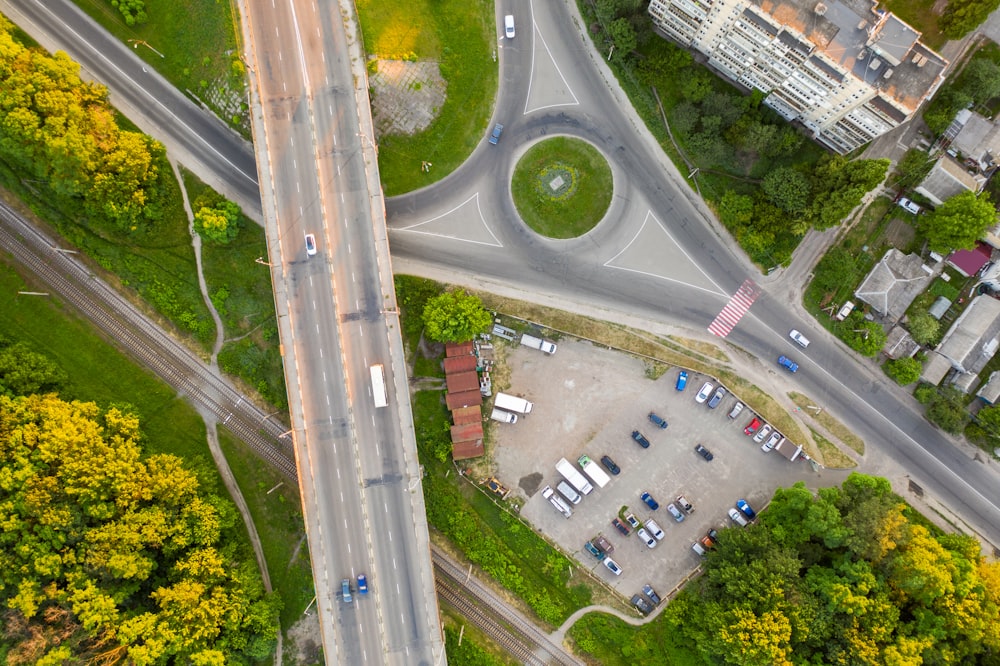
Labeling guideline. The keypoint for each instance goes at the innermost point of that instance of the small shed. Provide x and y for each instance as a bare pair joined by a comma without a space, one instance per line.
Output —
460,364
462,381
464,415
464,399
970,262
789,450
466,450
900,344
990,391
459,349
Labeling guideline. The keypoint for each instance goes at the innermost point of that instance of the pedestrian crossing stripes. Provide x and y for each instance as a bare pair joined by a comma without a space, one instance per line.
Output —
735,309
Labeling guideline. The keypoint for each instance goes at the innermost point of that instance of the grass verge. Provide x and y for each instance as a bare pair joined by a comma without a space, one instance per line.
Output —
467,646
461,36
277,514
614,643
833,457
241,292
198,43
832,425
562,187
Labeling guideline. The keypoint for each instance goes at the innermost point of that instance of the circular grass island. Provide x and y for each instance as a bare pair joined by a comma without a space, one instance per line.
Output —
562,187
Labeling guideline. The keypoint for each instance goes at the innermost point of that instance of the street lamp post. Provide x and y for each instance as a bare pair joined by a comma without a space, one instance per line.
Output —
135,44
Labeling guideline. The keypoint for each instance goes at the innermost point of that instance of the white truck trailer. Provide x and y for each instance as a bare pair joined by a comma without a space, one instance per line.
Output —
503,416
512,403
538,343
574,477
594,471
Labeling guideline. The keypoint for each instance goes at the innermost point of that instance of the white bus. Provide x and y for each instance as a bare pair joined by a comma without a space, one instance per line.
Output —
378,386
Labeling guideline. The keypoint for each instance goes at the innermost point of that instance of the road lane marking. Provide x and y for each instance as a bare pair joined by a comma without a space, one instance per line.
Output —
475,197
531,70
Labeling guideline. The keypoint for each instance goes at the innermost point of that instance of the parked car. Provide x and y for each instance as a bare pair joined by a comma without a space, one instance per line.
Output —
654,529
676,513
310,244
612,566
788,363
762,433
703,452
508,26
706,543
495,136
345,590
798,338
752,428
658,420
641,604
594,550
640,439
605,545
720,393
644,536
684,504
698,549
650,502
745,508
738,518
610,464
362,584
648,590
706,390
735,411
713,535
632,521
682,381
771,442
908,205
621,527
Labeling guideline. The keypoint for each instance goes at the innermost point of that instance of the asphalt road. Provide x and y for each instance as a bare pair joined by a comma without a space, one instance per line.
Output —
358,472
576,274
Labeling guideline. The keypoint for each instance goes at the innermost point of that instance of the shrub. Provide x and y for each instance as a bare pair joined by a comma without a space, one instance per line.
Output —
903,370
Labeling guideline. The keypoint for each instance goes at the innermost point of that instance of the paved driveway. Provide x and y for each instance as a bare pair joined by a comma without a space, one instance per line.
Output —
587,400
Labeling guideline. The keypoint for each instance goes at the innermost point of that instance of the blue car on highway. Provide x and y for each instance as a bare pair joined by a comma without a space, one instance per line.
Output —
788,363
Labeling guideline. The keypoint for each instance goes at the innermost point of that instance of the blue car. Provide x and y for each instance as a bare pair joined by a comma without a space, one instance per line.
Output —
650,502
658,420
362,584
345,590
495,136
640,439
786,362
682,380
746,509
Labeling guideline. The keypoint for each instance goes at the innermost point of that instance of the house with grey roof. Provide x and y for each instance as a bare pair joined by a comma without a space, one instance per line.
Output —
990,391
894,282
969,344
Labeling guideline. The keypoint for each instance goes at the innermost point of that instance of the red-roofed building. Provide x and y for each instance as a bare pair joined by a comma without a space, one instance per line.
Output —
464,399
464,349
970,262
469,432
466,450
464,415
460,364
462,381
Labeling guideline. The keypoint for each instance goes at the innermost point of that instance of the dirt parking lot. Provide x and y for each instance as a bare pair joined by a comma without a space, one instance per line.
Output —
587,400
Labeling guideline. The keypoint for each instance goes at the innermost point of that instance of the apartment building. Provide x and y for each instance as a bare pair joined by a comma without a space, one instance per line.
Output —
845,70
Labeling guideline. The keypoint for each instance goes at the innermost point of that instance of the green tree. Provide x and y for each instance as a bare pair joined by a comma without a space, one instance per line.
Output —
960,18
942,109
912,169
903,370
623,36
220,223
839,185
455,316
989,419
981,79
959,222
924,328
864,337
735,210
947,410
787,189
24,372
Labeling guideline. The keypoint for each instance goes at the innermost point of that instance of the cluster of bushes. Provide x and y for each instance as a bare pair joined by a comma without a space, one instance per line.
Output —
945,406
978,83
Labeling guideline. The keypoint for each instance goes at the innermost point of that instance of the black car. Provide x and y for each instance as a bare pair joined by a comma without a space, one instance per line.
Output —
658,420
703,452
610,465
713,535
642,605
648,590
640,439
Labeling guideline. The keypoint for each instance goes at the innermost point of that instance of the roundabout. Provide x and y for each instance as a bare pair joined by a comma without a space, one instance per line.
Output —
562,187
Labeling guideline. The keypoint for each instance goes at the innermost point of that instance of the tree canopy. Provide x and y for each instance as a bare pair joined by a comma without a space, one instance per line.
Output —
63,131
106,556
959,222
842,576
455,316
24,371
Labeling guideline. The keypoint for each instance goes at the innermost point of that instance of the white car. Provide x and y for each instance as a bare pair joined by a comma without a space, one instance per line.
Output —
613,566
508,26
909,206
644,536
798,338
762,433
703,394
738,518
654,529
310,244
771,442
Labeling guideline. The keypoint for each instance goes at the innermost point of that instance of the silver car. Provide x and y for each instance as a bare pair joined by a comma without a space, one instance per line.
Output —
675,512
738,518
703,394
644,536
771,442
762,433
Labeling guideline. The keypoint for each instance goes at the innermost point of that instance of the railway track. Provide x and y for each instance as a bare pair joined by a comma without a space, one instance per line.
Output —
143,339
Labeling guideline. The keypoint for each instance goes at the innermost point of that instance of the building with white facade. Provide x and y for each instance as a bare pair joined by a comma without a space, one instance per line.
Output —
847,71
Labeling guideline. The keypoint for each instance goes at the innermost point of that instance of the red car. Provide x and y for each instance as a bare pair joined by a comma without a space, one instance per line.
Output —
752,428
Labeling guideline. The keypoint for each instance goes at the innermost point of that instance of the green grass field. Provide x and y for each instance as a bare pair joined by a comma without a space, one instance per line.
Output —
460,35
582,200
197,39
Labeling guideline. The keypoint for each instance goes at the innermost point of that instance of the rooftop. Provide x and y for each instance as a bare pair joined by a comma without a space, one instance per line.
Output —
876,46
463,399
970,262
946,179
990,391
974,337
894,282
460,364
464,415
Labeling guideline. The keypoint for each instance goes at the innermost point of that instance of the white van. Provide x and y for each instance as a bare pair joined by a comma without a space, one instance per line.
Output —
508,26
568,492
800,340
